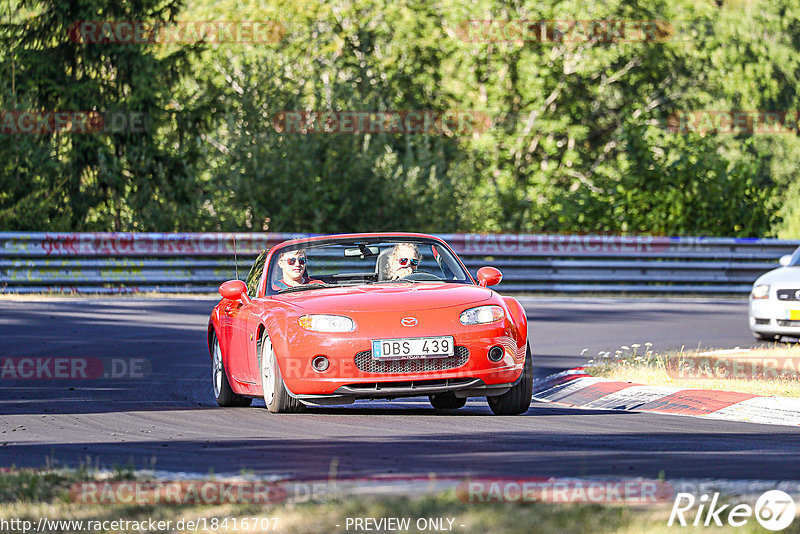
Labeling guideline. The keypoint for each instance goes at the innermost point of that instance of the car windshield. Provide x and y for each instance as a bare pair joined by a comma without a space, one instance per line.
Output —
309,266
795,258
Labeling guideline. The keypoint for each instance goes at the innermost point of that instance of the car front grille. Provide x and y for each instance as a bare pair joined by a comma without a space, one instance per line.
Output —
365,363
787,323
788,294
762,321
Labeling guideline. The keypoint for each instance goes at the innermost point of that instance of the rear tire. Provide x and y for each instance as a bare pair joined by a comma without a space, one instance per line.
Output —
447,401
517,400
223,393
276,397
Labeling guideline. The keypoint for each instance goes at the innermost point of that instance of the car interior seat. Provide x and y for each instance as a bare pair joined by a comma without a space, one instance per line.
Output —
382,265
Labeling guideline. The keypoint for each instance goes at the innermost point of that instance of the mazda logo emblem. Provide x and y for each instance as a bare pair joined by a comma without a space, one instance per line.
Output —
409,321
797,294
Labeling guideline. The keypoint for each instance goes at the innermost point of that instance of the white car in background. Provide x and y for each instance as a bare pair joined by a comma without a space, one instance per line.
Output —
775,301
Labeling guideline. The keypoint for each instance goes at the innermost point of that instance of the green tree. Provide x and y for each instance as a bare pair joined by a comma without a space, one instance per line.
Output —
351,57
115,179
580,141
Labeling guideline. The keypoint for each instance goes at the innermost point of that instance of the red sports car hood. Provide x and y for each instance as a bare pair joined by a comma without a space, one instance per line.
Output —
387,297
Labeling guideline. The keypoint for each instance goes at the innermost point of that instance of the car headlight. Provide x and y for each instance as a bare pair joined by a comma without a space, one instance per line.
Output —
482,315
327,323
760,291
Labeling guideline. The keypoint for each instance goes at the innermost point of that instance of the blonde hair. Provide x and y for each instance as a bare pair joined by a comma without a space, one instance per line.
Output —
394,253
410,246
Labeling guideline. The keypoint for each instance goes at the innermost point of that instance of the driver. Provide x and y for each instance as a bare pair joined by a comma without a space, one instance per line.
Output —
403,260
293,266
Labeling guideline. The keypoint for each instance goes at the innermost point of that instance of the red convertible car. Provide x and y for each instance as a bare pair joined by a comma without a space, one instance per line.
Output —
331,319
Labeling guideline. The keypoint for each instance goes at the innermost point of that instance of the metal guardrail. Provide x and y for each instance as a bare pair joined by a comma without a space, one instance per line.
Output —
198,262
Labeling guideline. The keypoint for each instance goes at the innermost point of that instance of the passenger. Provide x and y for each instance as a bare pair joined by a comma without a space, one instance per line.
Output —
293,266
403,260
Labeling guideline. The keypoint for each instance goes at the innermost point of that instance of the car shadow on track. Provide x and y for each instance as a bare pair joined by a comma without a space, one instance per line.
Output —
701,451
472,409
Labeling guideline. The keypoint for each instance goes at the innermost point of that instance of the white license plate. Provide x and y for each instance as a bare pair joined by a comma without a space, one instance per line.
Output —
407,348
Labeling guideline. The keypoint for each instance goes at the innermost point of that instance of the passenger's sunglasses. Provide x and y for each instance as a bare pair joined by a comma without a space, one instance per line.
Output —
301,261
405,261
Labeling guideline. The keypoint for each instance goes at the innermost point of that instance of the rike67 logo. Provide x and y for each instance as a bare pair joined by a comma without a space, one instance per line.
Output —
774,510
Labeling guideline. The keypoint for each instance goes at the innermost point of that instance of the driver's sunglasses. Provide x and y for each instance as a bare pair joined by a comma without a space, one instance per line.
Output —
301,261
405,261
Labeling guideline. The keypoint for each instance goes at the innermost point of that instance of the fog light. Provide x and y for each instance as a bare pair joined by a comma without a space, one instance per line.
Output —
320,363
496,353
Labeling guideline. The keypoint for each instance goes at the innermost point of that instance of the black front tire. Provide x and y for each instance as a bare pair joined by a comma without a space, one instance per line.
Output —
518,399
765,337
276,397
223,393
447,401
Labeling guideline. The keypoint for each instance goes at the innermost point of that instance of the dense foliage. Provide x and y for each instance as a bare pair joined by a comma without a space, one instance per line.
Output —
581,139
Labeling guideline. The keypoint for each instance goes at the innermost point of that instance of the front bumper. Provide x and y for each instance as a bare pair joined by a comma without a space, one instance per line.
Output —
771,316
353,373
464,387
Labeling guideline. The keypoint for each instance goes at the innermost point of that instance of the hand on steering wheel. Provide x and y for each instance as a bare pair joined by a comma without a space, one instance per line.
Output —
402,273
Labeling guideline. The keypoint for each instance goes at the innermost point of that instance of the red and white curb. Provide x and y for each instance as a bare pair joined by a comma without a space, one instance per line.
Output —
576,388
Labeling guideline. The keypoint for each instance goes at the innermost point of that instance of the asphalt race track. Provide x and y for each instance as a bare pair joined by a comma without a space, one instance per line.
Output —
169,421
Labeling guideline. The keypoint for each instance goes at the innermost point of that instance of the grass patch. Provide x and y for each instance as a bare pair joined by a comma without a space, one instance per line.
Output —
28,495
770,371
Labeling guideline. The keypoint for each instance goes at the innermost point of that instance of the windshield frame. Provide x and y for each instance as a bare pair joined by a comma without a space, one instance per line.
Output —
795,261
266,290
